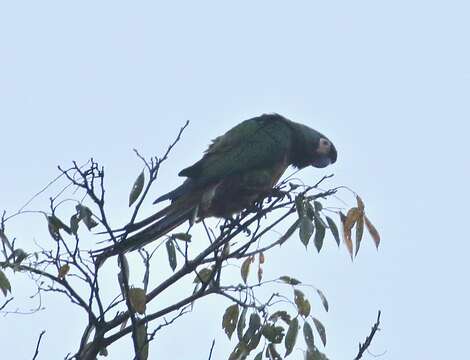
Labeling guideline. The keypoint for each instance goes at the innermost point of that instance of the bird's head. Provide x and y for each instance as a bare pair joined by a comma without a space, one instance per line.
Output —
314,149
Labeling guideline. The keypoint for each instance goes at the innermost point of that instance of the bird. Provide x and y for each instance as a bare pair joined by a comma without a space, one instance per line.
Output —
237,169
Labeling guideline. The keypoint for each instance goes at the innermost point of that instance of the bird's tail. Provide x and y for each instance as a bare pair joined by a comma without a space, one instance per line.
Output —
170,219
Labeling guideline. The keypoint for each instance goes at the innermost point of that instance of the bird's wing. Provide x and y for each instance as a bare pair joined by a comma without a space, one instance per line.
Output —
260,142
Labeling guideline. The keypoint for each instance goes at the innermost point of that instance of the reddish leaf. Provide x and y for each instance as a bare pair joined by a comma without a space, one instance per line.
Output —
373,232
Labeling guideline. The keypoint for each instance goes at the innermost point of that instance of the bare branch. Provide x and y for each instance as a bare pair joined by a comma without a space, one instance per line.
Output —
368,341
36,353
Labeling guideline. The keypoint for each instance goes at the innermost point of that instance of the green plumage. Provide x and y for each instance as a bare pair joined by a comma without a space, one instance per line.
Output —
238,168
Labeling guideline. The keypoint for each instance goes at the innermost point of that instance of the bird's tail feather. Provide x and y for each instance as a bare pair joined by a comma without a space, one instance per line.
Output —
148,234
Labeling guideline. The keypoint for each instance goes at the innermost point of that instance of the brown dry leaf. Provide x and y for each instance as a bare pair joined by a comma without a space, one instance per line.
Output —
351,218
359,232
64,269
260,274
360,203
347,235
373,232
261,258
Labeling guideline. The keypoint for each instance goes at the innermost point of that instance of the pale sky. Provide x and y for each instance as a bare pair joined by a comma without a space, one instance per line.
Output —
387,81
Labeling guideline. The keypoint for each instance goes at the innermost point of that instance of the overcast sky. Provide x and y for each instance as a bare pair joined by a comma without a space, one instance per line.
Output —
387,81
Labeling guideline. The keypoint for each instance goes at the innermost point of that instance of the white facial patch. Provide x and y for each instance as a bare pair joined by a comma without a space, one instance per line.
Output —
324,147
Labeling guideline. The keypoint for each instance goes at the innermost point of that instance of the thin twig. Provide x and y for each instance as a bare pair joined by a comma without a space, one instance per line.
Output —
36,353
212,348
368,341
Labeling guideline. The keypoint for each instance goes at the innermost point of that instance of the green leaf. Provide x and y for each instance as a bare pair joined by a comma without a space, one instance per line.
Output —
138,300
240,352
273,333
318,206
182,236
308,336
315,355
291,336
229,320
281,314
303,305
245,269
321,330
137,188
241,323
203,276
319,234
85,215
74,220
290,280
19,255
5,285
359,232
299,206
334,229
289,232
170,248
306,230
323,299
253,326
259,356
272,352
142,343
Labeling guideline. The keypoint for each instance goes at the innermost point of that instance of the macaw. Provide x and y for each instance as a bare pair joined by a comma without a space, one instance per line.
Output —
238,168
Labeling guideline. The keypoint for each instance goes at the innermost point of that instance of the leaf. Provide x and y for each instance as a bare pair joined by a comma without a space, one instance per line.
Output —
5,285
64,269
74,220
359,232
240,352
203,276
170,248
291,336
54,225
299,206
290,280
373,232
319,234
306,230
138,300
321,330
289,232
347,235
245,269
303,305
85,215
241,323
19,255
334,229
142,343
360,203
318,206
253,326
229,320
137,188
261,258
323,299
259,356
260,274
182,236
351,217
281,314
308,336
273,333
254,341
272,352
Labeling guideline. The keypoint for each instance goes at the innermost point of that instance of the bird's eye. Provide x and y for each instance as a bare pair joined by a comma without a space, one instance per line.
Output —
324,142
